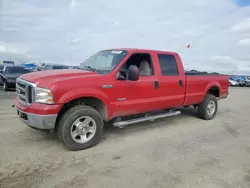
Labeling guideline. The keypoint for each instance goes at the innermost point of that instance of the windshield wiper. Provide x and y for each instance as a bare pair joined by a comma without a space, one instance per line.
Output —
91,68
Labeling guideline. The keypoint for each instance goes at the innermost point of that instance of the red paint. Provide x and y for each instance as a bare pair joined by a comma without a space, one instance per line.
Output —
41,109
140,96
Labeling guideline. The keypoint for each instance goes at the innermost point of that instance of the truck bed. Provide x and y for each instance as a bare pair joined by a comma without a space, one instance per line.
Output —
197,84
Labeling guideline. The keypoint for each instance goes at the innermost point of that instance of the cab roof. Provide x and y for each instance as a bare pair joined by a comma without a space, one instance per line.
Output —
144,50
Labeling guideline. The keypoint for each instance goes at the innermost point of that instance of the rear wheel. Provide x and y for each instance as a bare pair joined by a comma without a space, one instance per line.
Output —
208,108
80,127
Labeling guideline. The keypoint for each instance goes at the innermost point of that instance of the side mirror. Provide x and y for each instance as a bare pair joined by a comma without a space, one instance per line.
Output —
133,73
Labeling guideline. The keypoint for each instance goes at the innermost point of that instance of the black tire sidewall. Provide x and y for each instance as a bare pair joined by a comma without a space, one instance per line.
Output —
67,120
210,98
202,110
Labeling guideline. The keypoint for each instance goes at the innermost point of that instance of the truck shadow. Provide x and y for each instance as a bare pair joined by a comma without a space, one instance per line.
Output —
111,132
189,112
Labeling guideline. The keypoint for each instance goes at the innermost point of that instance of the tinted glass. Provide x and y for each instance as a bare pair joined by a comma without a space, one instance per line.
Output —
13,70
168,65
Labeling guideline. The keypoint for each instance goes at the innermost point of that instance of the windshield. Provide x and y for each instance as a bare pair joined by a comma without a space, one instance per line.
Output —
103,61
13,70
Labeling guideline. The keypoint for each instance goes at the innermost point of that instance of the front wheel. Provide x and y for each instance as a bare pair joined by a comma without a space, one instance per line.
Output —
208,108
80,127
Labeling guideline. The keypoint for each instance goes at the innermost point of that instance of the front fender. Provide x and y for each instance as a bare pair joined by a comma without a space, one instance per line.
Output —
84,92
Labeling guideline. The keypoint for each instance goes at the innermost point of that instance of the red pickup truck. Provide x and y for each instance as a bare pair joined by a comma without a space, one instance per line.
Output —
123,85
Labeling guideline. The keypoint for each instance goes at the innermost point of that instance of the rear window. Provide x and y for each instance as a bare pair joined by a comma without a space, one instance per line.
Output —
60,67
168,65
12,70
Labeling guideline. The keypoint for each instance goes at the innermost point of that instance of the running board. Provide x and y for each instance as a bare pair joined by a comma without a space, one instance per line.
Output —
121,124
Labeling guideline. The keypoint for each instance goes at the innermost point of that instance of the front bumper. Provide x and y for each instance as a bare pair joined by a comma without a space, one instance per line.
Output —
38,121
11,83
38,116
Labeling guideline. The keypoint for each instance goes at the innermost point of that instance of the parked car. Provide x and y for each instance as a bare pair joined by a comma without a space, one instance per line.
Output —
10,74
55,66
1,67
8,62
247,81
1,70
74,67
242,81
30,66
233,82
122,86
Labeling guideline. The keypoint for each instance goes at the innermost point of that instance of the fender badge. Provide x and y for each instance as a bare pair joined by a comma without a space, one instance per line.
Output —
107,86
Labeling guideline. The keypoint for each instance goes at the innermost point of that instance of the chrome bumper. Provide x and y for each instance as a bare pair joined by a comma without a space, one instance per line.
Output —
38,121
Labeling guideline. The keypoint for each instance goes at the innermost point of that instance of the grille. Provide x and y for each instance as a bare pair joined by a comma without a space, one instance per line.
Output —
25,91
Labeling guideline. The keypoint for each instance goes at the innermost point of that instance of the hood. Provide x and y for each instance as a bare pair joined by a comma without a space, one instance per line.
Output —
49,77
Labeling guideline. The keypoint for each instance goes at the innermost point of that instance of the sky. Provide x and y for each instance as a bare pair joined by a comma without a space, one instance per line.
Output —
69,31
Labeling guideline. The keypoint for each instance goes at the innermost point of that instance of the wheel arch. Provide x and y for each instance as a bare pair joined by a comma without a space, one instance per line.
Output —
213,89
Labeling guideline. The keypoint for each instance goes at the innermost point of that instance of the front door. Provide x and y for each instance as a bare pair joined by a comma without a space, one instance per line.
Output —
133,97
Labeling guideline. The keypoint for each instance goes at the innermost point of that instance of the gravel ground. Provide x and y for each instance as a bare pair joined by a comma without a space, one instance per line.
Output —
181,151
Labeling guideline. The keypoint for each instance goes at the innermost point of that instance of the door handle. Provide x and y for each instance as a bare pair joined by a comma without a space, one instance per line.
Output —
180,83
156,84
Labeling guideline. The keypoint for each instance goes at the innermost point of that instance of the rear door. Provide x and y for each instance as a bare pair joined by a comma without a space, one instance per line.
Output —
171,92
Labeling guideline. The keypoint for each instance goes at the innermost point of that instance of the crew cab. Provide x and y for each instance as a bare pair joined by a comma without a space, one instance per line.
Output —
122,86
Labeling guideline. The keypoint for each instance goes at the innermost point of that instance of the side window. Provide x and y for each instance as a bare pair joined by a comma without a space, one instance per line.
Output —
143,61
168,65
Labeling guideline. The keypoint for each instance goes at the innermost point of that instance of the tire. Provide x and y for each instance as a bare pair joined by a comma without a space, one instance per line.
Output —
67,127
5,86
203,111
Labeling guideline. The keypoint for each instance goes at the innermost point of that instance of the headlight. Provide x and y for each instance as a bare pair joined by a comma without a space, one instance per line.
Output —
43,96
